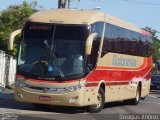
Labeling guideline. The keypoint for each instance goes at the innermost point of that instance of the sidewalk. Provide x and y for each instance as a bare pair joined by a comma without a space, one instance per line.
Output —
6,94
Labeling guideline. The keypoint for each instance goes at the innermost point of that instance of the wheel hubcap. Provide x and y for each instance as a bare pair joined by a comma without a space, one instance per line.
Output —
99,98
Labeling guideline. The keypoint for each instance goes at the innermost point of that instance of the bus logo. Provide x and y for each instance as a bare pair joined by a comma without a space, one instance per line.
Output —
45,90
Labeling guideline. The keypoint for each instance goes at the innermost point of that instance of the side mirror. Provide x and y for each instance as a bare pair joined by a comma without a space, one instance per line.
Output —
12,37
89,43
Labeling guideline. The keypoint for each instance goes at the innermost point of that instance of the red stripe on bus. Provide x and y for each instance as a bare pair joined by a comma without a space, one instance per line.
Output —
117,83
148,76
108,84
92,84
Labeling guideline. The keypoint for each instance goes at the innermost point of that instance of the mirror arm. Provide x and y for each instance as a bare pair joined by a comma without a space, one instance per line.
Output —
12,37
89,43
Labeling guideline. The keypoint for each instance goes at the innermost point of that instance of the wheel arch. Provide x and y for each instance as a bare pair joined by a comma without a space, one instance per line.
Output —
140,85
103,86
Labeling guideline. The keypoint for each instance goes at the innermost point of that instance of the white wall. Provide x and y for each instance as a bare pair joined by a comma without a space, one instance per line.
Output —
7,70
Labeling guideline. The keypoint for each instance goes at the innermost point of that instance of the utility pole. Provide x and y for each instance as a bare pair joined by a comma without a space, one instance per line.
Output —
62,3
69,1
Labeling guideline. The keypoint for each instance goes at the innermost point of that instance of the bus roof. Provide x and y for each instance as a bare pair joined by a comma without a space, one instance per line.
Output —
73,16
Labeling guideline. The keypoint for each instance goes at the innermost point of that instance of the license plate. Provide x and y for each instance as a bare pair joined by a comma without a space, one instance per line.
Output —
45,98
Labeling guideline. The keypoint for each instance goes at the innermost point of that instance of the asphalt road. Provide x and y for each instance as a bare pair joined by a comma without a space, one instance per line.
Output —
148,109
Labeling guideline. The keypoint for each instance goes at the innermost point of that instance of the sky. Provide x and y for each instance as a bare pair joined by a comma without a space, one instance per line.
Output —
141,13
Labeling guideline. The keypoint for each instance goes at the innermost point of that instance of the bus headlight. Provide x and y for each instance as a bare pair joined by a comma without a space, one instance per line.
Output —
76,87
68,89
20,84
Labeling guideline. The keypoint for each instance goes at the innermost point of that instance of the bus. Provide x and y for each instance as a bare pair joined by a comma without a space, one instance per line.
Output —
81,58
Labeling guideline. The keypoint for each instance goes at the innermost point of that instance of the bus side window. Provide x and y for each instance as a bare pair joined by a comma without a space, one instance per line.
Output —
108,43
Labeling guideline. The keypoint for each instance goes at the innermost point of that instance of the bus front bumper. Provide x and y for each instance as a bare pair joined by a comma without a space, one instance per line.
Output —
75,98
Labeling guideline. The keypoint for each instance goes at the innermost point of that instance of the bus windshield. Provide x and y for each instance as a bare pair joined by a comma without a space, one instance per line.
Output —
52,51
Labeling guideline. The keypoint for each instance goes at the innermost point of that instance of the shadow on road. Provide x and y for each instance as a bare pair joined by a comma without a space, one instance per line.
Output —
9,103
12,104
155,92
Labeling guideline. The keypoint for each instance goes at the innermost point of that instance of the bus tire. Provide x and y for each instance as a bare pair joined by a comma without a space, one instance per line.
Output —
41,106
135,101
143,98
101,99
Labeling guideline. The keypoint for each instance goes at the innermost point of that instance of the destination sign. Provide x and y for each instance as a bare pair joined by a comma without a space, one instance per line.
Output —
40,27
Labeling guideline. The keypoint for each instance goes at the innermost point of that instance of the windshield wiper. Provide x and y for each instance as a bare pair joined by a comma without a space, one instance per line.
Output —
59,68
53,56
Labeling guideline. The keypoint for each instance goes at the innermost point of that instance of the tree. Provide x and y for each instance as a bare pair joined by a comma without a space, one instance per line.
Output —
155,44
14,17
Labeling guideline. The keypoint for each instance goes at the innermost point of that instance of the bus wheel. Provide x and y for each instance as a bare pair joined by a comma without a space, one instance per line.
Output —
41,106
135,101
101,101
143,98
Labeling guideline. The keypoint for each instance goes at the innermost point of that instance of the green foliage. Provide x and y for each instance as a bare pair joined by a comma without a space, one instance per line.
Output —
155,44
156,47
13,18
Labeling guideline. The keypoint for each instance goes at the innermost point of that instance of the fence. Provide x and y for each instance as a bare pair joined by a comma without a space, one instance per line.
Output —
7,70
